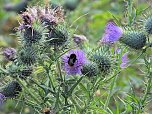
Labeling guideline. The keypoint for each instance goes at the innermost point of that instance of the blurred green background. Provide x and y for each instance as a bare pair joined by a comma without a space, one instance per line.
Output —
87,17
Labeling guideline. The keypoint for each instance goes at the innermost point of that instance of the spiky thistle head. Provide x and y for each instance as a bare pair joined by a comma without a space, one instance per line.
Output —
90,69
18,70
135,39
148,25
58,36
33,34
104,60
51,17
145,21
27,55
11,90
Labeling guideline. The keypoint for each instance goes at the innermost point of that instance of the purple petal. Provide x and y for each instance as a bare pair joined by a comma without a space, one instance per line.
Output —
112,33
125,60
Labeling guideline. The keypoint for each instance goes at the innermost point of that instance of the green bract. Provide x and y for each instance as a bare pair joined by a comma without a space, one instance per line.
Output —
148,25
90,69
11,90
134,39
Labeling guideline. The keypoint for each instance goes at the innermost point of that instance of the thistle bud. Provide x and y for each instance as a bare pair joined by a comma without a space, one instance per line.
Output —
148,25
57,36
11,90
9,53
31,29
90,69
134,39
31,35
103,62
27,55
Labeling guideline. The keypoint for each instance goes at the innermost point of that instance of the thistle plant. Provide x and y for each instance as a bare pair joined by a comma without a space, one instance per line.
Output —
52,75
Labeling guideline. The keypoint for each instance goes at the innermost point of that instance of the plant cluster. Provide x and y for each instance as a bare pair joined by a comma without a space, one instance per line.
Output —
56,71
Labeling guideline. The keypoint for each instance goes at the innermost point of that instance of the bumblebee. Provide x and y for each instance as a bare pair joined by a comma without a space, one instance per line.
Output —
72,59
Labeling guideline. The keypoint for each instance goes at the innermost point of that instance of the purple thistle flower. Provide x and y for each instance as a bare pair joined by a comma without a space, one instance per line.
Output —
125,60
9,53
2,97
112,33
73,61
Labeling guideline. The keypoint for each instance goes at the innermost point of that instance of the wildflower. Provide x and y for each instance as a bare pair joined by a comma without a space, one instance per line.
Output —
78,39
73,61
125,61
2,97
112,33
134,39
9,53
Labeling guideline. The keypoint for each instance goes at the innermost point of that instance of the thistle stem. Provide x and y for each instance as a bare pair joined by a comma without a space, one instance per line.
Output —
148,87
29,92
110,92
